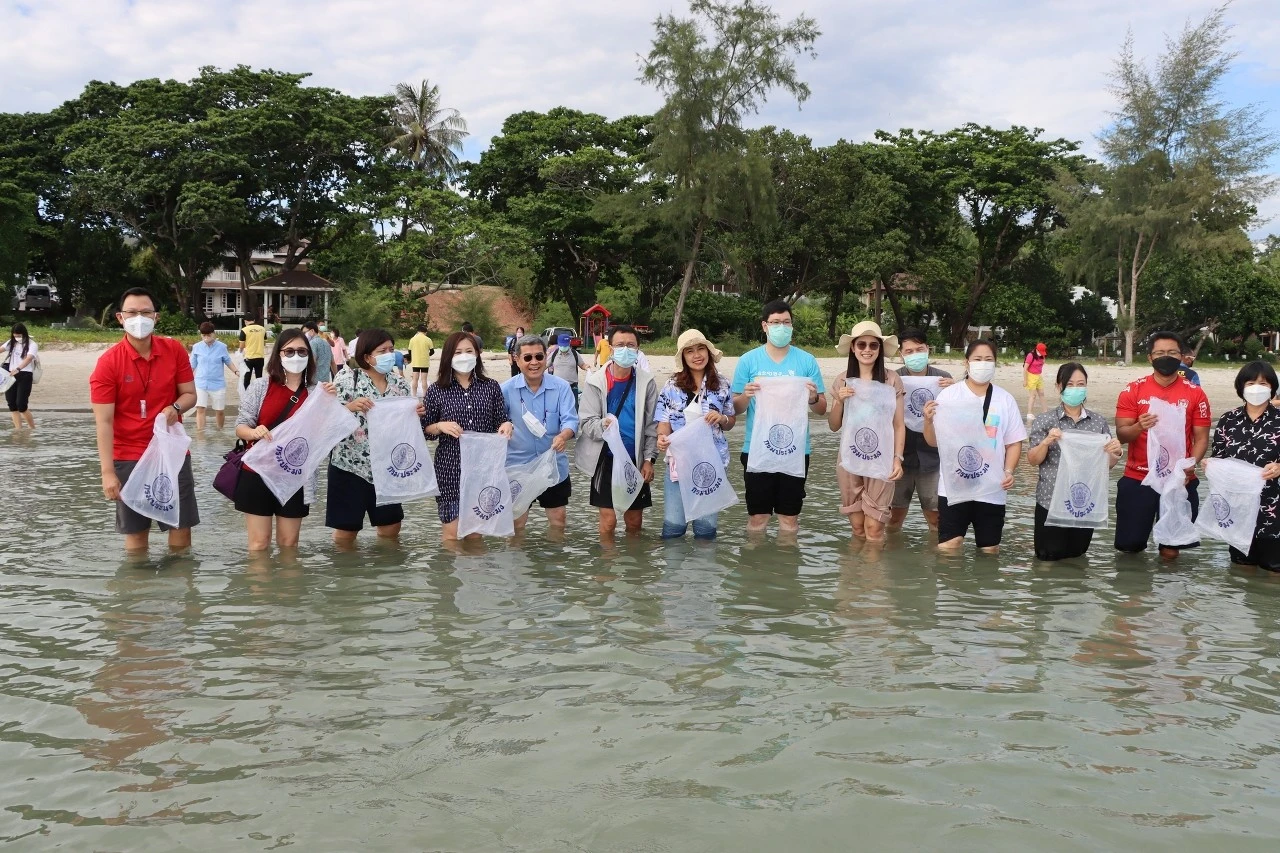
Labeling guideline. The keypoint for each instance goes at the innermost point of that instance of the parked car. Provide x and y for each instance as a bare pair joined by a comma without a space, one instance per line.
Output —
552,334
37,298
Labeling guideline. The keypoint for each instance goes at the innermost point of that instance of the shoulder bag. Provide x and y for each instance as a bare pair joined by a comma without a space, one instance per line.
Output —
229,474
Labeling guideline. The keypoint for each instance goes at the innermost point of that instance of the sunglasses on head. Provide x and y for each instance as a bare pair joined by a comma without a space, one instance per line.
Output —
533,356
295,352
864,345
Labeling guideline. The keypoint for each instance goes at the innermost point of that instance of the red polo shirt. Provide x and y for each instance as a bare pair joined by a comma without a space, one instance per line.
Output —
125,378
1135,400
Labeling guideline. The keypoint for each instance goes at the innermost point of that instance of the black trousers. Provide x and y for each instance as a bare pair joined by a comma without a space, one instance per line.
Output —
1137,508
19,393
1059,543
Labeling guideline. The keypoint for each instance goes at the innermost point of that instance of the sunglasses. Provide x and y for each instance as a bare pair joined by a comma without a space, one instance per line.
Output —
865,345
532,356
295,351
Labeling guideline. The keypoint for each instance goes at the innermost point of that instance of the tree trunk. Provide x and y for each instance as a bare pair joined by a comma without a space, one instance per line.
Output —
895,305
688,278
837,297
1128,345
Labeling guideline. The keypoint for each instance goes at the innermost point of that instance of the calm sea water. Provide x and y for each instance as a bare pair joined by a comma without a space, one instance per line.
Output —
649,697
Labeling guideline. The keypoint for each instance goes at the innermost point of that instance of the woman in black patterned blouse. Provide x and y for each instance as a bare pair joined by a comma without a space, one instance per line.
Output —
1251,434
462,399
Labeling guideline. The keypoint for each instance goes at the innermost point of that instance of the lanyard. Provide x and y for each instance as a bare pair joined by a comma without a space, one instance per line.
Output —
544,405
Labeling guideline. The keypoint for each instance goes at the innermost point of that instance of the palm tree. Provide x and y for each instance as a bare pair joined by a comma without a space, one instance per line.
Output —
426,134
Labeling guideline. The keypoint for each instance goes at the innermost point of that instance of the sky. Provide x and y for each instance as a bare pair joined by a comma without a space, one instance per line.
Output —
882,64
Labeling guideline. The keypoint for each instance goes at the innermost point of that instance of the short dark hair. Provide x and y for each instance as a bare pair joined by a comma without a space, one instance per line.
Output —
777,306
979,342
1166,336
622,327
368,341
444,373
138,291
913,334
206,328
467,327
312,325
275,369
422,327
1256,370
1066,371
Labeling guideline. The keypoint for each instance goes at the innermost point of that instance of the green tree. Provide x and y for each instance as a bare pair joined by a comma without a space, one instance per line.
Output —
714,69
429,136
1186,171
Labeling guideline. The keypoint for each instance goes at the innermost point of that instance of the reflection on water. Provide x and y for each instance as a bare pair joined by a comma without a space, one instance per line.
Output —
650,695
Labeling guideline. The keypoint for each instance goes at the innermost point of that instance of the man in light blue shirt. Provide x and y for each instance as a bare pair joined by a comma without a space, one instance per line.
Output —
775,493
545,416
208,358
321,352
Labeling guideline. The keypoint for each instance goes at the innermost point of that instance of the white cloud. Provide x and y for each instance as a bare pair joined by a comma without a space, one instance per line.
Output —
882,64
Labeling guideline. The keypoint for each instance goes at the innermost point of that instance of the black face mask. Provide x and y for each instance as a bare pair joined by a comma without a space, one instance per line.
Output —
1167,365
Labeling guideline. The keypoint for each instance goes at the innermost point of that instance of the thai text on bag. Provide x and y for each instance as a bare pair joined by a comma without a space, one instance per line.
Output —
780,426
1166,442
288,461
1080,490
704,483
920,390
152,487
971,464
1235,494
484,493
398,456
866,434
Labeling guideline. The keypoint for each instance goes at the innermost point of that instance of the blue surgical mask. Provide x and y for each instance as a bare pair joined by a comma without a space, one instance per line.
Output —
1074,396
780,336
625,356
385,363
916,362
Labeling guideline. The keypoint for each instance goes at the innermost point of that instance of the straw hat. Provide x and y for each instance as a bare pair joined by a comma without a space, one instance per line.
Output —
691,338
864,329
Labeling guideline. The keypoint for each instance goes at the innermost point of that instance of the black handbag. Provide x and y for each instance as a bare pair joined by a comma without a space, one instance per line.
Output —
228,475
602,478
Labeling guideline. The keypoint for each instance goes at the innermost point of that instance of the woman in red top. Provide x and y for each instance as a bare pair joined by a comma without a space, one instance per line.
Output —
267,402
1033,379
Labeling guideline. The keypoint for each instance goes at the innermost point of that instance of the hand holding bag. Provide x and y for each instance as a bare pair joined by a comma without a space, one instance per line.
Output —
152,487
229,474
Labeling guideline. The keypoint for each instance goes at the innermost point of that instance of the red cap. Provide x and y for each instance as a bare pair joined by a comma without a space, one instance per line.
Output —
1041,349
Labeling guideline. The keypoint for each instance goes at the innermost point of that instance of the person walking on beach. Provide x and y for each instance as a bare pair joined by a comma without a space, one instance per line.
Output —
1033,379
134,381
564,361
253,346
18,358
209,358
421,348
321,352
919,458
768,494
1138,506
544,414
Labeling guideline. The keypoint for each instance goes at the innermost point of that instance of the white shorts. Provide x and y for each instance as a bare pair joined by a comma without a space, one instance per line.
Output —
216,400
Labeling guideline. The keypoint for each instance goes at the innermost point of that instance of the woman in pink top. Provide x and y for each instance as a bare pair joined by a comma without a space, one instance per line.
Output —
1032,368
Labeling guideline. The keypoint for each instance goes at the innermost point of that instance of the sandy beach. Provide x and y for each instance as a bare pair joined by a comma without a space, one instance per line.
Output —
65,385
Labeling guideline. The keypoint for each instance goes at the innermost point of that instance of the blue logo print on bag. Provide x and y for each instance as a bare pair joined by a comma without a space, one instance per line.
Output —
972,465
293,455
917,400
159,493
404,461
488,503
1222,511
866,444
781,440
1080,502
705,479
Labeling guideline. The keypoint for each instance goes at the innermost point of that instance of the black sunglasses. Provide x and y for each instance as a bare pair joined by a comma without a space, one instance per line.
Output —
533,356
295,352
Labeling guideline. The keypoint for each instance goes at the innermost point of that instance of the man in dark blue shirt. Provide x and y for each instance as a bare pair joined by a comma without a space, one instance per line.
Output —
1185,371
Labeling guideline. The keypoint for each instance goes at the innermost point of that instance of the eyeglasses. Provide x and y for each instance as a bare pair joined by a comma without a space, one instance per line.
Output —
778,323
532,356
295,352
867,345
151,314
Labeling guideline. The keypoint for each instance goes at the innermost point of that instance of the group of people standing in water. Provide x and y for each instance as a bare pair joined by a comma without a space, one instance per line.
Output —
902,434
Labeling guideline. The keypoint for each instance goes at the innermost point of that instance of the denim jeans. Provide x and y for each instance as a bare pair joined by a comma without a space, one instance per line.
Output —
673,521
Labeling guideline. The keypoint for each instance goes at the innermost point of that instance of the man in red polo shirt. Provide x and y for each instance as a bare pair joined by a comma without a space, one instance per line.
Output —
1137,506
134,381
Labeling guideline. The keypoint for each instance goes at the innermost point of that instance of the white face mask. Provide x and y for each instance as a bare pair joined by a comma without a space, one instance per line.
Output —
536,427
464,362
1256,395
294,363
139,327
982,371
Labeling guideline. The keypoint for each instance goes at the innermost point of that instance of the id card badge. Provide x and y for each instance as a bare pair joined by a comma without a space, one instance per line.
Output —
535,426
142,404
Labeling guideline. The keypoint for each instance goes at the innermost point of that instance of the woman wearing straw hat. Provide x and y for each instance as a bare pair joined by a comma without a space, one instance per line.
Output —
867,501
697,390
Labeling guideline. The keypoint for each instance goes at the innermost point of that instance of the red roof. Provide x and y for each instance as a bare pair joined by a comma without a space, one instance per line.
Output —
597,309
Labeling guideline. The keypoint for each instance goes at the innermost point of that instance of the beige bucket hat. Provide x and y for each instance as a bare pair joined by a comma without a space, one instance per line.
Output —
867,328
691,338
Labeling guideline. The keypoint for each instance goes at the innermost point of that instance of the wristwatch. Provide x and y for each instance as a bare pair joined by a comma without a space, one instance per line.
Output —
177,409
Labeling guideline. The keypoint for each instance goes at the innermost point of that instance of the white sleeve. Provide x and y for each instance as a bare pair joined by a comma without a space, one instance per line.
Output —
1015,429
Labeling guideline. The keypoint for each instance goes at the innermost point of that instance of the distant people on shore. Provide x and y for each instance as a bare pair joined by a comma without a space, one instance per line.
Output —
321,352
1033,379
253,346
421,348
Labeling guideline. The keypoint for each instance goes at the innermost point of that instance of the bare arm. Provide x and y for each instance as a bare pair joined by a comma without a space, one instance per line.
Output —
1199,442
104,419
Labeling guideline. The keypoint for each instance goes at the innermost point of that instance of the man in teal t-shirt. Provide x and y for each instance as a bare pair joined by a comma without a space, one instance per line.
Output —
780,494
